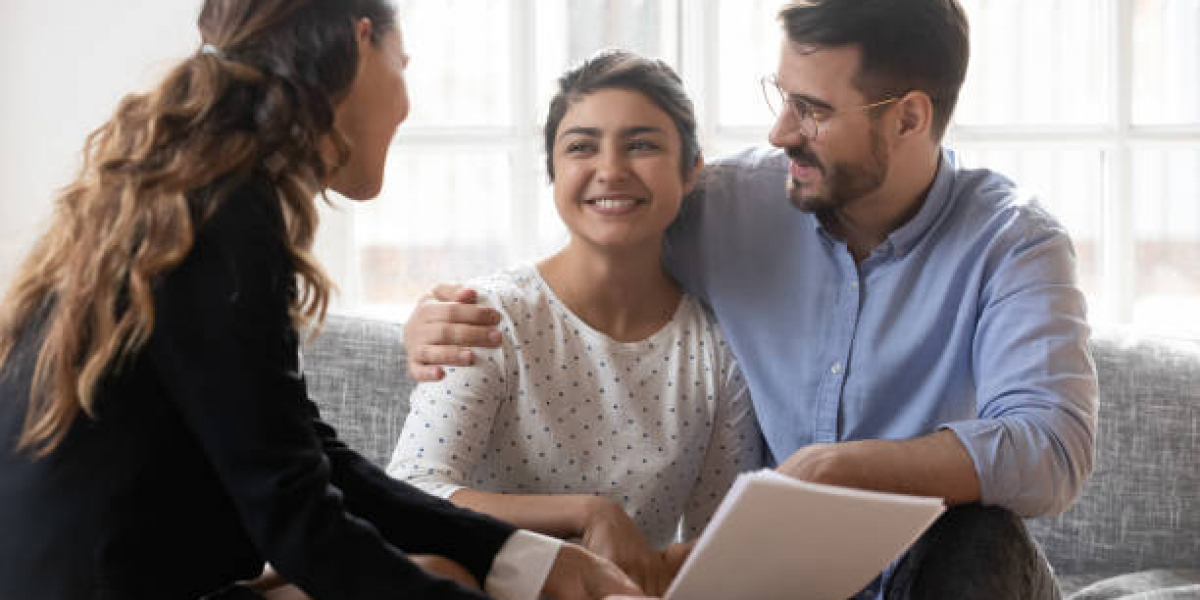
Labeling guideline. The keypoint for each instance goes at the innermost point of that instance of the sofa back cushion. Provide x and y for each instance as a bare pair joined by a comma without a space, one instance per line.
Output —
1140,510
1141,507
356,374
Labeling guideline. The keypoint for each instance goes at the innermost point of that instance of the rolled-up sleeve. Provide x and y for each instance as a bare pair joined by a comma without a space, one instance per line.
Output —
1032,443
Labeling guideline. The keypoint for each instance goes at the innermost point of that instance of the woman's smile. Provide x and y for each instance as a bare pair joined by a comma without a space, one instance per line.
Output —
614,205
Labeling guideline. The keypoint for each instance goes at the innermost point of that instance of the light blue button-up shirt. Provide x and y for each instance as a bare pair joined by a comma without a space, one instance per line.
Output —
968,317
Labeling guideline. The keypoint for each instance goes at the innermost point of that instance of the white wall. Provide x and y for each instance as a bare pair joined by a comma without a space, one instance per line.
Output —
64,66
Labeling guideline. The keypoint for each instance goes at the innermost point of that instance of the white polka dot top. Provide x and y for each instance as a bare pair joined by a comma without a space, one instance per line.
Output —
660,426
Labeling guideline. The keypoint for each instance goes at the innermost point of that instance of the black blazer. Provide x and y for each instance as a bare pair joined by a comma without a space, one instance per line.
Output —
205,457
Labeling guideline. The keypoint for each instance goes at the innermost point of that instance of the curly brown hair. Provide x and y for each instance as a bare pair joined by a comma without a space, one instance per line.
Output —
259,97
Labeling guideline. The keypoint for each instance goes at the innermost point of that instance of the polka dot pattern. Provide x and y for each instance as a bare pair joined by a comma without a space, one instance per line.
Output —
661,426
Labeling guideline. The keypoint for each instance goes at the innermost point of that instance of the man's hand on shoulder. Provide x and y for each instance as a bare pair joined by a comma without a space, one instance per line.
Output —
443,328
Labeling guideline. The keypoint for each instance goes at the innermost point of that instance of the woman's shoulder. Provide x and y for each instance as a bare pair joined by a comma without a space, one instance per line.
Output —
516,288
695,313
240,246
244,206
237,221
697,317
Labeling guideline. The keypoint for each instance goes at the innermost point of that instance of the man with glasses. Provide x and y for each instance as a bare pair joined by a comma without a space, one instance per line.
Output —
905,324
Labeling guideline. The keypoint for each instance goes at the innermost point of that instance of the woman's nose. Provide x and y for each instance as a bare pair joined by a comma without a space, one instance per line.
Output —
612,165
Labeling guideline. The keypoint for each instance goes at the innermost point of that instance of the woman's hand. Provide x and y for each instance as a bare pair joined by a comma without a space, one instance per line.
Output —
673,558
444,567
581,575
442,329
609,532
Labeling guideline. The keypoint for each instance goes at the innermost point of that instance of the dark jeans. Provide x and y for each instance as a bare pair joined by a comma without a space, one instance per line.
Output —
973,552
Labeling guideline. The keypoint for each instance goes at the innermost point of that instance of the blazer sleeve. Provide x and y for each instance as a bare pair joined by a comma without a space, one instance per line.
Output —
225,352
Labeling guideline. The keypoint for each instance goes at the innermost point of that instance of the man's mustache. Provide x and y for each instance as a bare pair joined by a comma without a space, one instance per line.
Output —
802,155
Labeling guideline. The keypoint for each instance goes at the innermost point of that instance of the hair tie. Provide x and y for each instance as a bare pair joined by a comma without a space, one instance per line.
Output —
213,50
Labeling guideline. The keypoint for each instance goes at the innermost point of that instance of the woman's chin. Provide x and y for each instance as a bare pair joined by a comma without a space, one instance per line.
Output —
358,189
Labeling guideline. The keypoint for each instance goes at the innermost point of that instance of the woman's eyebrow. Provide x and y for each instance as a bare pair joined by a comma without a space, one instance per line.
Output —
588,131
597,132
640,129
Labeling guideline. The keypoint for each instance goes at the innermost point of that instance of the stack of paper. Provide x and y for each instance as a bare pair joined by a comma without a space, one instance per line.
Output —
774,537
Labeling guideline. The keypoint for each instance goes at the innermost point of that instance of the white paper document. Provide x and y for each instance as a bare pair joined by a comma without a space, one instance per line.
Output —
774,537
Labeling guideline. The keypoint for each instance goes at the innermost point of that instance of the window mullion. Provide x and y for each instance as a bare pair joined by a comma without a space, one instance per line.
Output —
523,144
1119,248
698,64
671,31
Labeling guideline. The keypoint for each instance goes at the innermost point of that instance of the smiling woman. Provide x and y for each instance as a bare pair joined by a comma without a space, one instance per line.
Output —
616,184
605,364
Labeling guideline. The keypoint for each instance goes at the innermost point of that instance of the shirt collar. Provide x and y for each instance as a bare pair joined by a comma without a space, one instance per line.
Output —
902,240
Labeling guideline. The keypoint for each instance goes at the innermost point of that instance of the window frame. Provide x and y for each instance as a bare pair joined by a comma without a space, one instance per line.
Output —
688,33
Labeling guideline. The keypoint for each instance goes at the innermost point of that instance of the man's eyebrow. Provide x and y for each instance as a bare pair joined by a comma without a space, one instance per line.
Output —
810,100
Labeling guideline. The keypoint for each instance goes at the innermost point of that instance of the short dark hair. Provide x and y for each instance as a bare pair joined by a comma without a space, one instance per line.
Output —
906,45
621,69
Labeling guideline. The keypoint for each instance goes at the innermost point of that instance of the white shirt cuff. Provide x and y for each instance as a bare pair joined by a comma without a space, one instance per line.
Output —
519,570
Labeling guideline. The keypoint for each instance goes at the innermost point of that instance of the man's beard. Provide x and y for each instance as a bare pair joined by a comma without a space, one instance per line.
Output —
841,182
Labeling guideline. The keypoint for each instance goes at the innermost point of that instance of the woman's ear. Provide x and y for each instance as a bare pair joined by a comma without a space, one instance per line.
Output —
694,176
364,31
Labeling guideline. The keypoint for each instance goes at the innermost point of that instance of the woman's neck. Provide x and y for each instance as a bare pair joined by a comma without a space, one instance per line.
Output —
626,296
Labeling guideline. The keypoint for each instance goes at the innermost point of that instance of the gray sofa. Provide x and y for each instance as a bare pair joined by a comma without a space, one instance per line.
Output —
1133,533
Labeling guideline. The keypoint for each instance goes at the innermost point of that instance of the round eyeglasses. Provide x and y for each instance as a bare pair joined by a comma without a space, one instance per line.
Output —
806,117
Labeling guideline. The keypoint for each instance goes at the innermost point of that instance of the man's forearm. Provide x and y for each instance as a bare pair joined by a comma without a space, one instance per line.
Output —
936,465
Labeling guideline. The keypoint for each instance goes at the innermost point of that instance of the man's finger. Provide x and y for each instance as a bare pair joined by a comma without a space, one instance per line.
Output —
467,336
456,313
422,374
466,296
453,356
453,292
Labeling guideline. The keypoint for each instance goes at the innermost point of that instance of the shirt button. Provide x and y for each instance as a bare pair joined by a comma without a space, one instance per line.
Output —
836,368
854,285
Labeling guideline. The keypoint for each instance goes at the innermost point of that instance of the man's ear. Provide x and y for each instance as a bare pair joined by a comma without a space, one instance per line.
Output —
694,177
914,114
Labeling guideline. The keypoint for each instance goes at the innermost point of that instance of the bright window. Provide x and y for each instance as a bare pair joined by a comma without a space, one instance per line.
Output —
1092,104
1095,106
